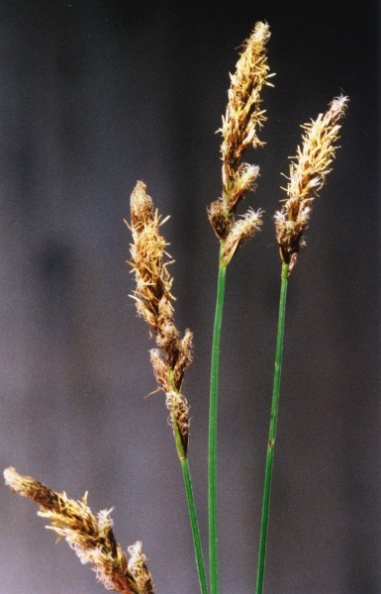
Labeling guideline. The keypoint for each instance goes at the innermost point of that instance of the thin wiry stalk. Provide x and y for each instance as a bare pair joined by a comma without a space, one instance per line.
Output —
272,431
182,454
244,118
308,172
194,526
213,417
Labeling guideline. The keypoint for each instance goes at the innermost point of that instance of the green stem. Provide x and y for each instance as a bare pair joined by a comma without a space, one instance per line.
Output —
272,431
191,506
213,411
194,526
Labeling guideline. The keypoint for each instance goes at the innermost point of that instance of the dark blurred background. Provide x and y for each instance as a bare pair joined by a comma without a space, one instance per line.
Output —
93,96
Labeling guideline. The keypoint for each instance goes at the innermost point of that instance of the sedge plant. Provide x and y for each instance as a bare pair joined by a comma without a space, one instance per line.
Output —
92,537
308,171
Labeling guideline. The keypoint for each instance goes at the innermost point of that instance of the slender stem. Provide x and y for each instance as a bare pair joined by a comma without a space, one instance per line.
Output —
213,412
272,431
194,526
191,508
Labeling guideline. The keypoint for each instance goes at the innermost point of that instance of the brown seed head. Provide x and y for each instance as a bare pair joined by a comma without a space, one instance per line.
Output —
137,565
179,416
152,294
308,171
244,115
92,538
154,299
241,229
153,281
243,119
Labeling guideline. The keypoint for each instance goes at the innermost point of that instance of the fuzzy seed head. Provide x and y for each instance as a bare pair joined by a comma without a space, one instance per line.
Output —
219,218
154,299
308,172
149,262
241,229
152,294
137,565
245,179
185,357
179,416
244,114
92,538
243,119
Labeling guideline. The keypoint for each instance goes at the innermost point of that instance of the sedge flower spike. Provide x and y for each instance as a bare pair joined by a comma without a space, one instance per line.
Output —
308,171
244,227
153,300
92,538
243,119
244,115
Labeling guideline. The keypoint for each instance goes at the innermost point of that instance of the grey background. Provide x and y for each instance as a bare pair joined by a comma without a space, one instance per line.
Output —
94,95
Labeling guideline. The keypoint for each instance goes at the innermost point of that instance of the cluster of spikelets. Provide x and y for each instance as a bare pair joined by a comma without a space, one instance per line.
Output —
154,304
308,171
243,119
93,538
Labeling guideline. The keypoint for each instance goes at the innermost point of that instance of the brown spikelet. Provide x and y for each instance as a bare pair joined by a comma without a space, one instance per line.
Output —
138,567
244,114
179,416
243,119
308,171
219,219
241,229
154,283
92,538
153,296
